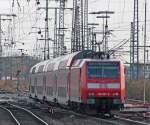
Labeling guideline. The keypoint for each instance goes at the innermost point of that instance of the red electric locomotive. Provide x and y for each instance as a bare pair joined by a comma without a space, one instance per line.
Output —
80,80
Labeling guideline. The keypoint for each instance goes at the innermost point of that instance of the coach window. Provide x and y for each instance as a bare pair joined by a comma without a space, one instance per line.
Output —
41,68
33,70
44,82
35,81
50,67
30,84
63,64
32,89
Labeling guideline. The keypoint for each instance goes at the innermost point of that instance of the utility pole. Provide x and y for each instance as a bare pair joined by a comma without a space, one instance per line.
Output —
93,41
0,38
131,51
46,46
81,15
147,51
105,32
106,35
135,43
92,37
18,82
86,24
55,50
145,39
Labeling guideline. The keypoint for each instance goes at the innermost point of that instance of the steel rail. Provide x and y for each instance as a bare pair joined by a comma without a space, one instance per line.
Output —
84,115
133,121
14,118
109,121
31,113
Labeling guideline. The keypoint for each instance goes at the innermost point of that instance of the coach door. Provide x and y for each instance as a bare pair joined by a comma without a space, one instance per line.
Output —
75,80
62,79
35,86
44,87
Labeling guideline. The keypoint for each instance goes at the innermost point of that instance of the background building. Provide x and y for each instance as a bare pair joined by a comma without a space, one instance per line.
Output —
10,66
141,71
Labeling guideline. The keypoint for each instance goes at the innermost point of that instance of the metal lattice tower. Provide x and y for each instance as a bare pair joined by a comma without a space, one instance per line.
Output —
135,43
86,24
94,42
4,15
131,50
77,43
61,28
92,39
73,37
55,50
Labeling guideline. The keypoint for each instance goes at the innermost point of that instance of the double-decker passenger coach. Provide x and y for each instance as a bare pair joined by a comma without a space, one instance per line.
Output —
82,80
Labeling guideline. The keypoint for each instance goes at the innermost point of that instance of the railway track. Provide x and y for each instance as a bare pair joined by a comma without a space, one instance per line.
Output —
116,120
6,117
22,116
130,121
63,115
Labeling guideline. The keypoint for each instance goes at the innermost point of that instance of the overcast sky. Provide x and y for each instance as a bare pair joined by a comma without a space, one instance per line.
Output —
28,17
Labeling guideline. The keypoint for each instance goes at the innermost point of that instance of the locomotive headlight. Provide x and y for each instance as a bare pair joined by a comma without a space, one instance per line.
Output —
93,85
91,94
115,94
90,101
116,101
113,85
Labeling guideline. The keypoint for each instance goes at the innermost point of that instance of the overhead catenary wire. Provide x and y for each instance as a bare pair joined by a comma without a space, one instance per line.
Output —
124,26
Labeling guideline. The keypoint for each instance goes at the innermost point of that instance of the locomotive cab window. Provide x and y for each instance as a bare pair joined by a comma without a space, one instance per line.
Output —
103,70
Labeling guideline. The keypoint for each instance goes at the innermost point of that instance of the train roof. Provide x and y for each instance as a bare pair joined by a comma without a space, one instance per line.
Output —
62,62
79,63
